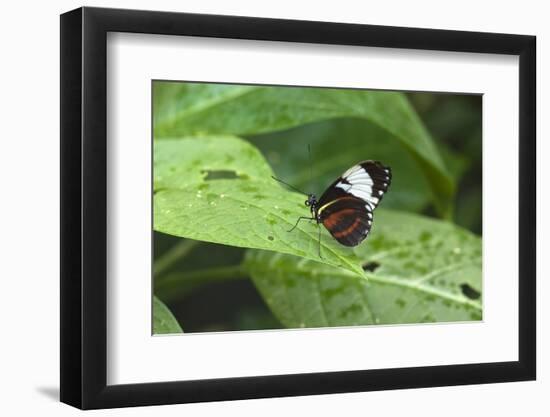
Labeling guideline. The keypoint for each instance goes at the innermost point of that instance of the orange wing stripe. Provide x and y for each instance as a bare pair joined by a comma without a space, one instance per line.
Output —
349,230
331,221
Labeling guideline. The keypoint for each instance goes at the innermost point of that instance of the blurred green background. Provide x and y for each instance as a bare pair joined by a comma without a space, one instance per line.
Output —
230,300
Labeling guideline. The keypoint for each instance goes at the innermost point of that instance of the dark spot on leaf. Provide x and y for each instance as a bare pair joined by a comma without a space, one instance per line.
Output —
331,292
400,302
271,221
428,318
270,237
475,316
248,188
285,212
470,292
352,309
290,283
204,186
370,266
425,236
430,298
259,197
220,175
229,159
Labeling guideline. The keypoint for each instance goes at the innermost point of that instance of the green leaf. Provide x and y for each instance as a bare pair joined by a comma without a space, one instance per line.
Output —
418,269
163,319
248,210
191,160
188,109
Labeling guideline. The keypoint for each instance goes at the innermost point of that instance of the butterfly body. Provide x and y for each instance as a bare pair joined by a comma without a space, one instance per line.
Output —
347,205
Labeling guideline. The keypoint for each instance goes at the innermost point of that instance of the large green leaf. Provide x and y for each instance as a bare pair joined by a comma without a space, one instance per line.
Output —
163,320
190,109
335,146
418,269
249,209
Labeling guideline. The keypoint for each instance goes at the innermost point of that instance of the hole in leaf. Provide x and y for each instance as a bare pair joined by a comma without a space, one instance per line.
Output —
220,175
470,292
370,266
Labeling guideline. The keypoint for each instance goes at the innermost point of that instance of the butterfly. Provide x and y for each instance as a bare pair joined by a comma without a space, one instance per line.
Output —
347,205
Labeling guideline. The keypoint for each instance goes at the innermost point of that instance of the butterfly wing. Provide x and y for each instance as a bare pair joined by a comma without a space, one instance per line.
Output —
347,219
347,206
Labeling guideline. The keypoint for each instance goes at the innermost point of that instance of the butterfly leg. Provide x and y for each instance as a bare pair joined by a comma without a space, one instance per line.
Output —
298,221
319,229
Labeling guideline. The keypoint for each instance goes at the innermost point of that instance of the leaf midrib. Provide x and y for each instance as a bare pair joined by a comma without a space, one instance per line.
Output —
352,266
413,284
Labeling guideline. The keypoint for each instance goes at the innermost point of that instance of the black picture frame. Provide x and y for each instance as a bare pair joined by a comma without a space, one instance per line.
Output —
84,207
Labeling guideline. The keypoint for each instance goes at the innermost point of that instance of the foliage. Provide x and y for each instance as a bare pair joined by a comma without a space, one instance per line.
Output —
415,271
215,149
163,320
188,109
250,210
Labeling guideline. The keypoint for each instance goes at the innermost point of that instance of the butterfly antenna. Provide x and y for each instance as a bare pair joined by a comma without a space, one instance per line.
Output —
288,185
310,166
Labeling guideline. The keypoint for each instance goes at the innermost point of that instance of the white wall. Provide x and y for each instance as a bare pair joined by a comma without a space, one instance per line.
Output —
29,210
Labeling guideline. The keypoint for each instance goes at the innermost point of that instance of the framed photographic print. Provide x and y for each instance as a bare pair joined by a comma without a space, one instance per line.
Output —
258,207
